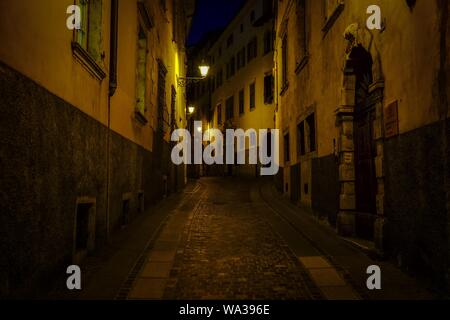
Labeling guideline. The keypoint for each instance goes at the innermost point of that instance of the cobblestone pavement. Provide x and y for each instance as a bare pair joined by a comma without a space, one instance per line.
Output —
227,250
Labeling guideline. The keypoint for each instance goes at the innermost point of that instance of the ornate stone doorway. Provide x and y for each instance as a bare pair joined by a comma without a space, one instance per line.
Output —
359,119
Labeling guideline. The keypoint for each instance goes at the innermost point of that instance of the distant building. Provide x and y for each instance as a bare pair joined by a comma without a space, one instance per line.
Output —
364,115
85,127
241,86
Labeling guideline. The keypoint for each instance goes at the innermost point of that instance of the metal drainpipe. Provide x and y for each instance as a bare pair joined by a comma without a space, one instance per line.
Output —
112,90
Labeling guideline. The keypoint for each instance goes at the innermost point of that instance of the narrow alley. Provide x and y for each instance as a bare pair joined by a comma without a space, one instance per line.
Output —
158,152
236,239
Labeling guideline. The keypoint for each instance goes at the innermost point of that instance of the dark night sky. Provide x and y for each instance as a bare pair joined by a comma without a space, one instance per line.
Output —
212,15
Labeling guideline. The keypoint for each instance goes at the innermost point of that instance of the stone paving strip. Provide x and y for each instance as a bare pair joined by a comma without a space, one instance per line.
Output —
154,277
328,279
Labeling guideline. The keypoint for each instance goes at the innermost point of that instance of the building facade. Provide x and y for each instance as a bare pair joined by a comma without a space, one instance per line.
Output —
364,116
87,118
240,88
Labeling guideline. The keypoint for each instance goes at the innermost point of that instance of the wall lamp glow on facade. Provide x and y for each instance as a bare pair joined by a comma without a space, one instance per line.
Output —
191,110
204,70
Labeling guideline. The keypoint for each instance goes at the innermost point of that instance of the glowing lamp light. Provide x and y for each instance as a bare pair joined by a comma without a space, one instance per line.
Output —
191,110
204,69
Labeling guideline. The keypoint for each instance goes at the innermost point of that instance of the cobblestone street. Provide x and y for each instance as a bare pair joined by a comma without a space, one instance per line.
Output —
234,239
232,253
228,250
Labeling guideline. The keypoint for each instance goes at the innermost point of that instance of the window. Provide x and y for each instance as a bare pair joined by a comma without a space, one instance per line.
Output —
241,102
174,20
268,42
252,49
219,114
229,111
268,89
306,135
219,80
162,73
241,59
230,41
302,32
287,152
88,36
232,66
252,16
311,122
141,76
252,96
284,75
242,28
301,139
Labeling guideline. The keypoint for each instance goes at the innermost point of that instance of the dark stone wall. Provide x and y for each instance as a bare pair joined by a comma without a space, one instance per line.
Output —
325,187
50,154
415,200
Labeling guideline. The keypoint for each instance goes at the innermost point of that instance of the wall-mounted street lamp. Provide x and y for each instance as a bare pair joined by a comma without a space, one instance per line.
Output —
191,110
204,69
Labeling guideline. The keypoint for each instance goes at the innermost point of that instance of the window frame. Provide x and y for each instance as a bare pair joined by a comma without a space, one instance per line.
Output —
252,96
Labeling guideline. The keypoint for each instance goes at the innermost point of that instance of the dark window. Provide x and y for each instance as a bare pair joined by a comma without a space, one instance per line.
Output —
219,114
242,28
229,109
268,89
301,26
269,142
301,139
268,42
311,121
286,148
174,20
252,49
241,59
230,41
252,96
232,66
241,102
252,16
284,71
219,80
